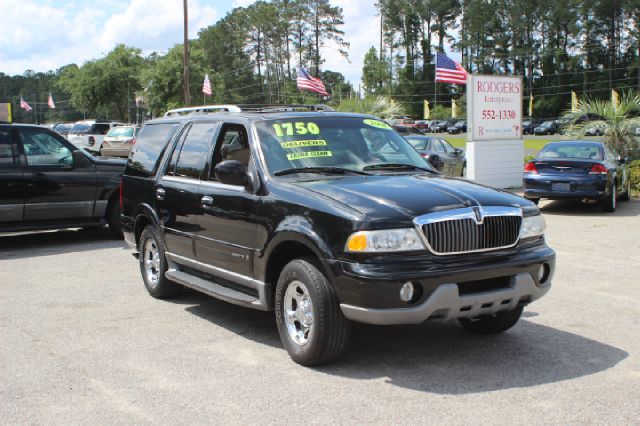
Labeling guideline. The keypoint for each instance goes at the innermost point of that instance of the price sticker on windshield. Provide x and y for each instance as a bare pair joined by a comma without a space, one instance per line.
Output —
377,123
296,128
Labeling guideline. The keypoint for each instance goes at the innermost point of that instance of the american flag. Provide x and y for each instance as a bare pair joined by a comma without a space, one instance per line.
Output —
306,81
449,71
24,105
206,86
50,102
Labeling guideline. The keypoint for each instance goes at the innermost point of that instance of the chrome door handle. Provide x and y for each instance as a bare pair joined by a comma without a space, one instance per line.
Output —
207,200
160,193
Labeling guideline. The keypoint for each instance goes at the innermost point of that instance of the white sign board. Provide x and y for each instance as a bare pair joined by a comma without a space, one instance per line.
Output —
496,107
495,148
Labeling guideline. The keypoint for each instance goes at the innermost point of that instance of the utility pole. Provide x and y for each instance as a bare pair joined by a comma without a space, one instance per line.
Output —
186,55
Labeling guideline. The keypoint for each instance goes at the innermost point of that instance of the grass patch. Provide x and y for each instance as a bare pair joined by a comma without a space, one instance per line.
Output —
533,144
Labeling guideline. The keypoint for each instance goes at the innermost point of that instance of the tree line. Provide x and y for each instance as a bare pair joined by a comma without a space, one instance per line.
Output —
251,55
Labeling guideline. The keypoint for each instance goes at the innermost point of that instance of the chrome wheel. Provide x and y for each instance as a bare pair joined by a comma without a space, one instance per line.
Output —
614,199
151,259
298,313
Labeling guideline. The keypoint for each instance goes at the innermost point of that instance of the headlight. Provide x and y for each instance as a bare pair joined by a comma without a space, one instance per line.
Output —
532,226
384,241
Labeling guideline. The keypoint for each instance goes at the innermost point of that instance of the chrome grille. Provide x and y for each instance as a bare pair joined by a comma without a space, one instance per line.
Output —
470,230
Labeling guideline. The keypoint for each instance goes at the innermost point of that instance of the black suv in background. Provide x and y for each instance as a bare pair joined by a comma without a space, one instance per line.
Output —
327,218
48,183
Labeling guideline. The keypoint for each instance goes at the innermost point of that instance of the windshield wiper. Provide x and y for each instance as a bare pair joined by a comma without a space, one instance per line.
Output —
396,166
320,169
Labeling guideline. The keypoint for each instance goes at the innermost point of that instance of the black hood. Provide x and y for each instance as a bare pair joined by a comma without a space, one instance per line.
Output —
403,197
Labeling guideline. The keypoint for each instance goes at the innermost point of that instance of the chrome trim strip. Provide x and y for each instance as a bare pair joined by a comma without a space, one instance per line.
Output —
225,243
477,213
206,183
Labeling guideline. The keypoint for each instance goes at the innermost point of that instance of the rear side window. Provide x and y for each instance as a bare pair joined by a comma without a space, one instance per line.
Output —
150,145
8,151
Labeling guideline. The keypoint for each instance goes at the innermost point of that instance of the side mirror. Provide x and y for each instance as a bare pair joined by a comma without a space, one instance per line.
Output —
80,160
459,151
231,172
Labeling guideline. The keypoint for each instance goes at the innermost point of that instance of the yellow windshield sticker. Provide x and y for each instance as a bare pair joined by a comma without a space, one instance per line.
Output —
301,144
377,123
308,154
296,128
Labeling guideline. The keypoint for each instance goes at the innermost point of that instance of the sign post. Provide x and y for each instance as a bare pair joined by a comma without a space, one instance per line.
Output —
495,149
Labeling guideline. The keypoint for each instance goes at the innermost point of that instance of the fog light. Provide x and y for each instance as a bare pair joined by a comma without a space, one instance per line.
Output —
406,292
543,273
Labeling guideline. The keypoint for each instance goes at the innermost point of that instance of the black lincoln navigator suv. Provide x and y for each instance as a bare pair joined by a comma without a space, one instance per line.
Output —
326,218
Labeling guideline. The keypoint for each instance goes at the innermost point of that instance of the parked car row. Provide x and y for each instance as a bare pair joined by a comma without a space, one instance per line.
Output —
105,138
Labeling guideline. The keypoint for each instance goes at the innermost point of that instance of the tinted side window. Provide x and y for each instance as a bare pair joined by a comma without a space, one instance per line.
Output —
194,150
8,151
44,149
150,145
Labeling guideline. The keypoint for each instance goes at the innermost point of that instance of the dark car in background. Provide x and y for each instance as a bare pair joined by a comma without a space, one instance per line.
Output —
549,127
440,154
577,170
529,125
441,126
459,126
48,183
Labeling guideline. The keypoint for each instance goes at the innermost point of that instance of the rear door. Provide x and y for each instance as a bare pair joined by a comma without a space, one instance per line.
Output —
177,199
11,178
56,187
227,231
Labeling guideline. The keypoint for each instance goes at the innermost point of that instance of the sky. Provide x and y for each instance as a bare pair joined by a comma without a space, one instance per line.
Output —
44,35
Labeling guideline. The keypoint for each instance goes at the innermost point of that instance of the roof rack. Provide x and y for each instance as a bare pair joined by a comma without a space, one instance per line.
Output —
205,109
202,109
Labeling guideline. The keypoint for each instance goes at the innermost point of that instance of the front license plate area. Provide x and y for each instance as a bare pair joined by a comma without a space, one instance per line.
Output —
561,186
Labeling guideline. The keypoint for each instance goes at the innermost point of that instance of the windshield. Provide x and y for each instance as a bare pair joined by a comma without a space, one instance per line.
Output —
80,128
460,123
546,124
352,143
571,150
121,131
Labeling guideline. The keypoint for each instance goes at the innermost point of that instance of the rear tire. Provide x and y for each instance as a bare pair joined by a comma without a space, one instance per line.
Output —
609,202
153,265
113,218
312,327
627,194
492,324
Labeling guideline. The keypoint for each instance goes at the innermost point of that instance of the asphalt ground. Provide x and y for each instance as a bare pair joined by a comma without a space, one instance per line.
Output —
82,342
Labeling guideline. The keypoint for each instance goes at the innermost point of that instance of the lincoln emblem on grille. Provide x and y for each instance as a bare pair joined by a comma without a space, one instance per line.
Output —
478,214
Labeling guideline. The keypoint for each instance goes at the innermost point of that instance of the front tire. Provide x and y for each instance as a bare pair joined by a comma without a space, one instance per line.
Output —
312,327
153,265
492,324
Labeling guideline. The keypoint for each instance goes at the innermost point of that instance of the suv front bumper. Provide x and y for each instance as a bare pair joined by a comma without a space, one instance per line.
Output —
446,303
469,288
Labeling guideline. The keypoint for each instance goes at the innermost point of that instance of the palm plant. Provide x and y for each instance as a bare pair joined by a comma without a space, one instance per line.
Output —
618,122
378,106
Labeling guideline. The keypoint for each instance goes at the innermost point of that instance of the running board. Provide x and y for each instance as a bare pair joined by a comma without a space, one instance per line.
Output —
212,289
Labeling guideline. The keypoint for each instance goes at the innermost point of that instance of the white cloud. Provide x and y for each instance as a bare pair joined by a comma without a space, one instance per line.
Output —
43,37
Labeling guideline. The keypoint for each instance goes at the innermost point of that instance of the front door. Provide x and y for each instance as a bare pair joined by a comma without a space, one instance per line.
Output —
56,187
227,234
176,197
11,179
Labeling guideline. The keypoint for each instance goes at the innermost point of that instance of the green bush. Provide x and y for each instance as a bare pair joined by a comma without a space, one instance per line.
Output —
528,158
634,171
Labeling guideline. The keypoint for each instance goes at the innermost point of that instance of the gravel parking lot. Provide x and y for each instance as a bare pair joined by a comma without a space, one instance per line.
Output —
82,342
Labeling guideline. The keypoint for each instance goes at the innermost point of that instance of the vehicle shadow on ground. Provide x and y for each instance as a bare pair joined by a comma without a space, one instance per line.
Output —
435,357
629,208
47,243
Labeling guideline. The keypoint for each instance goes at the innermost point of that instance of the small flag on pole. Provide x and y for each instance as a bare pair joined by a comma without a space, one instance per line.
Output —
449,71
206,86
427,110
308,82
454,109
574,101
24,105
615,99
50,102
531,106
